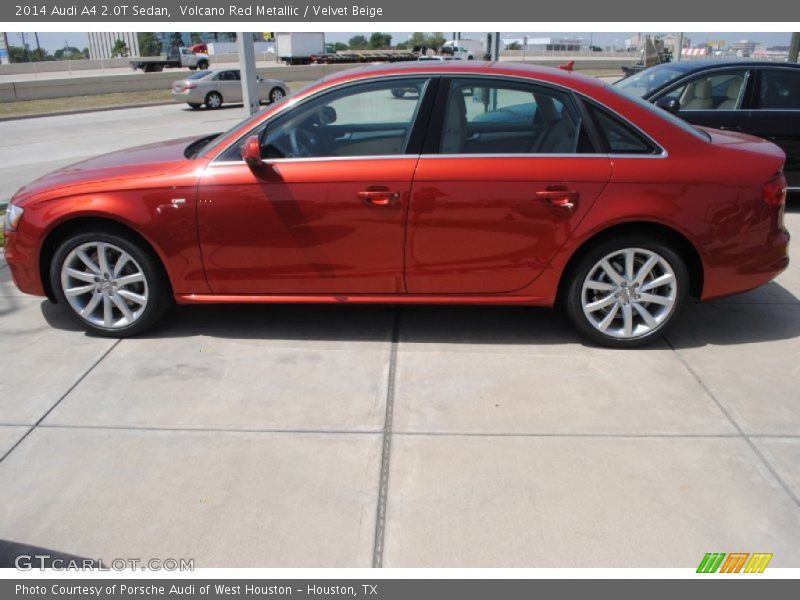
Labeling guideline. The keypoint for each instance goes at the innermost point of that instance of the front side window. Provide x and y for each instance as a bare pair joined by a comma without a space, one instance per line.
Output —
369,119
779,89
492,117
720,90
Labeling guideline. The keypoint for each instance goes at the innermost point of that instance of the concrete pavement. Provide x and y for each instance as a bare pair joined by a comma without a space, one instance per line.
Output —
360,436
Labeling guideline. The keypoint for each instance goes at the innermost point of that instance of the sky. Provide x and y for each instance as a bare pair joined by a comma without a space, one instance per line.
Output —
53,41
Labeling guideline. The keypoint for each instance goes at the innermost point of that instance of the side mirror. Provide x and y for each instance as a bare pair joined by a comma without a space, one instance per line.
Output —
671,105
251,151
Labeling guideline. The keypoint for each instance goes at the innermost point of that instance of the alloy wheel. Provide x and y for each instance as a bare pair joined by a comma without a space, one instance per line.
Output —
214,101
629,293
104,285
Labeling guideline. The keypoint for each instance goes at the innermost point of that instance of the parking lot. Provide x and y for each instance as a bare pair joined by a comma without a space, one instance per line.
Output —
389,436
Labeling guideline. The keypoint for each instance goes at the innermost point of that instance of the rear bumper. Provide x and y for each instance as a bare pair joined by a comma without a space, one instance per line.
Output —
749,269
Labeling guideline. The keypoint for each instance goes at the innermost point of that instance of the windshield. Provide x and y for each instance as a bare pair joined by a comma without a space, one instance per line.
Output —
644,82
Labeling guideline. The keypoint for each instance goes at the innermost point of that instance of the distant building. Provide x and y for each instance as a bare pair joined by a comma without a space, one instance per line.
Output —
744,48
101,43
4,57
545,44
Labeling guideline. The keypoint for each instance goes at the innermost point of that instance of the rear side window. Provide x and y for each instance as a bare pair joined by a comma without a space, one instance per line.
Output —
228,76
619,137
779,89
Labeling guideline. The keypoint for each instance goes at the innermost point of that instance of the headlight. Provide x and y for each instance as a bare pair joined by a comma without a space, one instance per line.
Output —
13,216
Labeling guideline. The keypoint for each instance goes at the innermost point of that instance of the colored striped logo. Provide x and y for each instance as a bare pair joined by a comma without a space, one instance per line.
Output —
735,562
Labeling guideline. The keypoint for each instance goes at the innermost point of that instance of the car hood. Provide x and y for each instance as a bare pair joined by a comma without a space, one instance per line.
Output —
139,163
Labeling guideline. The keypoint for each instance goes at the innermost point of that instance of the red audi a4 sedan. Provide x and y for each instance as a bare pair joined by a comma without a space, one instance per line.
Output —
456,183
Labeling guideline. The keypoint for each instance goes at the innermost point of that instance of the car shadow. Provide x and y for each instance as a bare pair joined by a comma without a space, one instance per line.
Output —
714,323
224,107
27,557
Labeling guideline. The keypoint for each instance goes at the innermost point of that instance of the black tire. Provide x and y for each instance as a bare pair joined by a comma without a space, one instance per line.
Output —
158,288
193,68
213,100
195,106
276,94
572,298
398,93
202,65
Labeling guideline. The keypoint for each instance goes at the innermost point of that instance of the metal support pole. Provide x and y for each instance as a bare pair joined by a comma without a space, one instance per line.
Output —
676,53
247,68
794,47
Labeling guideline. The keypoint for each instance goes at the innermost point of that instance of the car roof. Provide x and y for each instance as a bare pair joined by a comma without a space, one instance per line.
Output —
571,79
692,66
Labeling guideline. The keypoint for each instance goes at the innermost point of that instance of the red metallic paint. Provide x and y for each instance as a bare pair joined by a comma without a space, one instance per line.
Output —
457,229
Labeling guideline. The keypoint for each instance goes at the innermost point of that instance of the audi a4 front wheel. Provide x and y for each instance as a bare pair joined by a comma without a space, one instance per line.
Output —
109,283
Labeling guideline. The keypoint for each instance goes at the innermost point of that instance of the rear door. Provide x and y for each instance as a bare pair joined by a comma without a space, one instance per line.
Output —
776,115
506,177
229,85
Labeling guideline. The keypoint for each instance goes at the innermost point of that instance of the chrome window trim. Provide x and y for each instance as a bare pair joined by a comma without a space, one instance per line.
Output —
294,102
228,163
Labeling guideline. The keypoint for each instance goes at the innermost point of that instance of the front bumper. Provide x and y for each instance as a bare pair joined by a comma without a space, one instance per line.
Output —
22,257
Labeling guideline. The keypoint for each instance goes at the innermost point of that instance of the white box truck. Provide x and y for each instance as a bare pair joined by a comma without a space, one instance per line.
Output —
297,48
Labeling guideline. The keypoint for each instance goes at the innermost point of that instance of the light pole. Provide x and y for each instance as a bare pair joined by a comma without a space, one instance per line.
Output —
247,67
794,47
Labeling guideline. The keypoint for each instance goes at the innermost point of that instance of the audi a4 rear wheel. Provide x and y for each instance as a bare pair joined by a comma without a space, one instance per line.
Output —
109,283
625,293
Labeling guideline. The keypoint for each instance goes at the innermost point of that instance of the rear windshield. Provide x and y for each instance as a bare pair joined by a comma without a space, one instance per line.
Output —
199,75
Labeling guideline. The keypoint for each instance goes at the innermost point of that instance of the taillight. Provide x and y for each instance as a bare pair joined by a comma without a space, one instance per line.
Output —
774,191
190,85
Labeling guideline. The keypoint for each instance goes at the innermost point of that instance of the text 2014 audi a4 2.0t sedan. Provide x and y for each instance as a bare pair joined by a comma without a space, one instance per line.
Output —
482,184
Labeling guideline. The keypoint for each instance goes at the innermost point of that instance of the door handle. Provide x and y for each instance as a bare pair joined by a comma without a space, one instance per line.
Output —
730,128
379,196
560,196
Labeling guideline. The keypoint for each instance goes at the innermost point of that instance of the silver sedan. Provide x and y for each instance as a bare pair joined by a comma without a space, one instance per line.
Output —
216,87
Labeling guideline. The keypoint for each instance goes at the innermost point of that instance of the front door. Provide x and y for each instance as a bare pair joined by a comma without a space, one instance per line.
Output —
326,211
717,98
504,192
